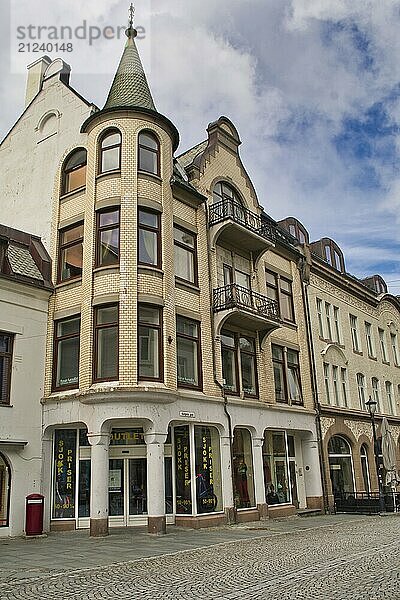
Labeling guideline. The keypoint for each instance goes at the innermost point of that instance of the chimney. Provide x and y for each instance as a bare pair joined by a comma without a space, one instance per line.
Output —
34,81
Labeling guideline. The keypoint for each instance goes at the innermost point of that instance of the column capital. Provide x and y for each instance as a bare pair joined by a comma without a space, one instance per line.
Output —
155,438
98,439
258,442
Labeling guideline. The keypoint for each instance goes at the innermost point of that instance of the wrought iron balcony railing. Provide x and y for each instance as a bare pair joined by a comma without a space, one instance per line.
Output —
237,296
231,209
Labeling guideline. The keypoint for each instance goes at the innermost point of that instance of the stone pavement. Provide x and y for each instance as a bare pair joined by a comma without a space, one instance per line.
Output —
331,558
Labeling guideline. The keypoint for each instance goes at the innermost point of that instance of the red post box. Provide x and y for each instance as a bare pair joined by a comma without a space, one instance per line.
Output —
34,514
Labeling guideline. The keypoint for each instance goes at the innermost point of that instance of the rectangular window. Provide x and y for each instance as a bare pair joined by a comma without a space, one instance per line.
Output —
228,274
320,320
6,349
343,375
185,255
188,353
369,340
382,342
286,375
149,246
389,397
393,342
149,343
327,383
354,333
66,353
107,246
280,289
239,364
70,253
248,366
336,320
375,393
361,390
328,315
335,384
229,362
106,343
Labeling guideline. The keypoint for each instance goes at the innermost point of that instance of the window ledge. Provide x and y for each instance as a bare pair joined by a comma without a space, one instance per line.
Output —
108,175
290,325
186,285
358,352
372,357
150,176
146,269
70,283
386,362
4,405
69,195
107,269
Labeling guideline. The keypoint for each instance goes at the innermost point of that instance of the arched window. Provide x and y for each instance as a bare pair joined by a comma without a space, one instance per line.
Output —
149,153
74,171
5,486
227,203
340,466
110,151
365,467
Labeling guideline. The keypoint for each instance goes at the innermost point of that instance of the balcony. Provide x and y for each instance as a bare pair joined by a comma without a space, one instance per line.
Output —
239,306
231,222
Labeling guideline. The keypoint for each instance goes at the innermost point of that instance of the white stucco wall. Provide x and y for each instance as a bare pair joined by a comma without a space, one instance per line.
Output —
23,311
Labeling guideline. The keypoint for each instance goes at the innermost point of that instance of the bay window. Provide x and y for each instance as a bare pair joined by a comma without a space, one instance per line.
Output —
149,344
107,246
239,363
286,375
66,353
70,253
105,361
149,233
185,255
188,353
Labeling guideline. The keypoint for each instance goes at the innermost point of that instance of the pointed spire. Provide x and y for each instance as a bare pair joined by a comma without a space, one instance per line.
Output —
130,88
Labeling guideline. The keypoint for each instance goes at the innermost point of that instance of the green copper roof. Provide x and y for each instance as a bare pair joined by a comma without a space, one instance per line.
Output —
130,87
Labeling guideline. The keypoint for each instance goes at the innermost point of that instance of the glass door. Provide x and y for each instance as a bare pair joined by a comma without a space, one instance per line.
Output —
116,491
137,486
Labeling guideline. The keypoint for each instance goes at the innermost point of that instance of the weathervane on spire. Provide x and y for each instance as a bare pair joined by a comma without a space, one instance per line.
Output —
131,31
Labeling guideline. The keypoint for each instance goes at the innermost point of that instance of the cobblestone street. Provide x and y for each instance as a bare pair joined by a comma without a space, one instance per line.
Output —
332,557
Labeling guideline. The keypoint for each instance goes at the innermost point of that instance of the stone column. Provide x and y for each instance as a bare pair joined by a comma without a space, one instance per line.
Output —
227,485
99,484
312,473
258,468
155,483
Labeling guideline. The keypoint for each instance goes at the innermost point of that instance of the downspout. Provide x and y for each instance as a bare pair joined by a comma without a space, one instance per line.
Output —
305,275
231,516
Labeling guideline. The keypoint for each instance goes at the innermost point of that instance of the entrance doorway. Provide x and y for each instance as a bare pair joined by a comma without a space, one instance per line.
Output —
5,481
127,490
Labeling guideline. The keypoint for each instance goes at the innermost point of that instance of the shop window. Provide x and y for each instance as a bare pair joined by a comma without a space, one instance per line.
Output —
365,468
64,486
6,350
74,171
280,289
66,353
70,253
201,480
107,245
149,153
106,343
185,255
286,375
188,353
239,369
84,488
5,487
243,469
340,467
150,342
275,463
110,151
149,246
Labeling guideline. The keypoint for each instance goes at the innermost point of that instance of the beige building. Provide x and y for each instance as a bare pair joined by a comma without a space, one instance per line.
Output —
178,381
354,334
25,289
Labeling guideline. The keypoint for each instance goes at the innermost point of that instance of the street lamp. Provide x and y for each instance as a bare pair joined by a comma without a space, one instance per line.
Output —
372,405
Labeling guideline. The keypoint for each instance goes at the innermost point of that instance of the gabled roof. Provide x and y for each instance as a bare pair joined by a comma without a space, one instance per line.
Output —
130,87
188,157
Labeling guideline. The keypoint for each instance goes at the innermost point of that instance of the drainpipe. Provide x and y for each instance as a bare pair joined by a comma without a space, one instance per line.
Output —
314,385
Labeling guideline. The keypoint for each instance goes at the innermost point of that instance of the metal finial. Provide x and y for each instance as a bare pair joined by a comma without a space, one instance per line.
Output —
131,31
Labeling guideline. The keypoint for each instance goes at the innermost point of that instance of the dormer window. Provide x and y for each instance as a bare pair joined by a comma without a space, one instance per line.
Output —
74,171
296,229
149,153
110,151
333,255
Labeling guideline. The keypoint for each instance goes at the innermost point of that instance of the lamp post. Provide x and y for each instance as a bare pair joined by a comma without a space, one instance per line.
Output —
371,405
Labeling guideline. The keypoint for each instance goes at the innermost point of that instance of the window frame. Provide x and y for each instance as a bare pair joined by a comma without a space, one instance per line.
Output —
360,378
63,246
96,329
193,252
369,340
354,333
286,367
376,393
156,230
159,329
100,229
382,343
279,293
56,343
105,134
234,351
157,152
65,172
389,397
197,340
395,349
7,355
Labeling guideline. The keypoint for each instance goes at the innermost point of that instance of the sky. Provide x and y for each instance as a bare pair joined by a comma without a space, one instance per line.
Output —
313,87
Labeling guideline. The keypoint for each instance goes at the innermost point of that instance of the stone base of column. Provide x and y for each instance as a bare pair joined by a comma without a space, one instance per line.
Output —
263,510
230,514
98,527
157,525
